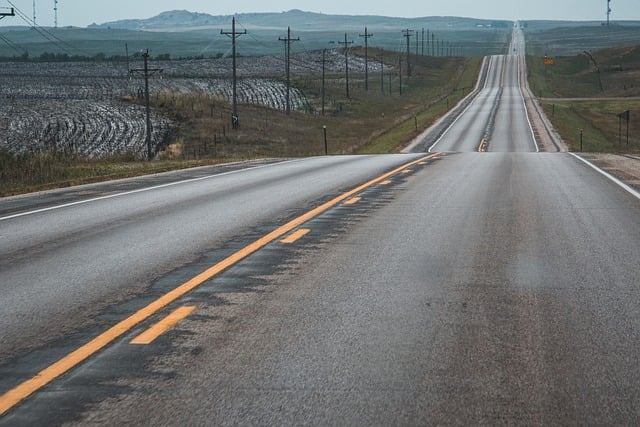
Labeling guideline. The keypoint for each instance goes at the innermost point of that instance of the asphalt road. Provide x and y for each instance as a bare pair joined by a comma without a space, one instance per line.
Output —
63,266
468,288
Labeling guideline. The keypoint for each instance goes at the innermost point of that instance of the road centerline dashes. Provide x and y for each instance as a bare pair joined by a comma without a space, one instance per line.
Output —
148,336
295,236
353,201
25,389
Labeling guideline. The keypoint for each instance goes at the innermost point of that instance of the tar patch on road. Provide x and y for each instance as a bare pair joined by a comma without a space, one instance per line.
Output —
122,368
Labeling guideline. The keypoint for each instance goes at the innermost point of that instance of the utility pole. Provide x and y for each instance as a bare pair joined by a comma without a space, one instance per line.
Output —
433,44
382,71
400,72
287,48
147,72
346,58
233,34
3,14
55,13
428,36
608,11
324,54
423,40
408,33
366,36
126,54
34,13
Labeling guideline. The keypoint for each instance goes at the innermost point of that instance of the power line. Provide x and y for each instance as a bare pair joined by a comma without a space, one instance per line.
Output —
408,33
366,36
287,47
63,45
147,72
233,34
346,59
9,43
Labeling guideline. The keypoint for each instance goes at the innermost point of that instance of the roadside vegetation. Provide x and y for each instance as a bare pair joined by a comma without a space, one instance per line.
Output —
377,120
588,91
373,121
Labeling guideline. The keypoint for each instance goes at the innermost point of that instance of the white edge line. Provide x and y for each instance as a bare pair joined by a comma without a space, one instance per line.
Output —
524,103
626,187
490,58
140,190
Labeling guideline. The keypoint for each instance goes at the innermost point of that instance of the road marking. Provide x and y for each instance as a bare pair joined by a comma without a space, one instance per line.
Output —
407,171
526,110
353,201
30,386
626,187
477,92
295,236
148,336
483,146
386,182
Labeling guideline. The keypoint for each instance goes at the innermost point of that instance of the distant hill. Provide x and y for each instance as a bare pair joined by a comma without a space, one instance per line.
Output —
182,20
184,34
571,38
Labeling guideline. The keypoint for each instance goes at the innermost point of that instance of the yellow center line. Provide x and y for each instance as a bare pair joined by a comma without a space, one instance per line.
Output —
407,171
353,201
148,336
295,236
30,386
386,182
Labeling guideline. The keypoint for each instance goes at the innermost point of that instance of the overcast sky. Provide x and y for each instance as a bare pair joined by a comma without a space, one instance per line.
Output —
84,12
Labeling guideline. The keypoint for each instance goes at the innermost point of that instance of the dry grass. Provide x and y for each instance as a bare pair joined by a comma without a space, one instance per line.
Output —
576,77
370,121
599,123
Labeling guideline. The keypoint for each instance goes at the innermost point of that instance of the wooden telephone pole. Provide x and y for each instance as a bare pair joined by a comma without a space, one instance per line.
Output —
346,58
366,36
408,33
287,49
233,34
147,72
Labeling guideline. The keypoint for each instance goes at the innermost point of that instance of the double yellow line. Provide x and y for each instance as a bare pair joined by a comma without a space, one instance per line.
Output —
14,396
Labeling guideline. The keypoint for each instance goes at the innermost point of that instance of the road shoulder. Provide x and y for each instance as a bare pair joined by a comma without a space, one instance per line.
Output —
624,167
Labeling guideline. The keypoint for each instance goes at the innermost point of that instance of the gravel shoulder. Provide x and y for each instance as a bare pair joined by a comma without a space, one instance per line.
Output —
624,167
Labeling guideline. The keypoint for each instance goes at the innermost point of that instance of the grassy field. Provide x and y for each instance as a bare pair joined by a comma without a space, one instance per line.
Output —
28,173
576,76
611,88
380,120
373,121
566,39
599,123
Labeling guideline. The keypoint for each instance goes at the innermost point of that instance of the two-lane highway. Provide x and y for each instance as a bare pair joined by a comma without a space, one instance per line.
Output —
60,267
497,118
466,288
